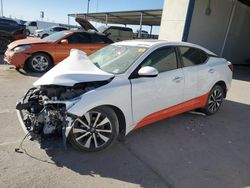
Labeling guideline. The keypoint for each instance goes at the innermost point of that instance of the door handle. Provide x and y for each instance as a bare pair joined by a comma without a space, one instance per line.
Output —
211,71
177,79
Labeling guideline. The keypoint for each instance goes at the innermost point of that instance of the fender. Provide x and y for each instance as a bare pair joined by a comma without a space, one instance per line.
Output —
104,96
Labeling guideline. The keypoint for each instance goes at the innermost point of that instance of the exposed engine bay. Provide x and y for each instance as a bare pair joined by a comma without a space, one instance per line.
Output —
43,109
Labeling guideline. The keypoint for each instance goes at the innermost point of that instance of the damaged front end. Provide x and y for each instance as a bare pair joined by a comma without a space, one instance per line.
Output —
43,115
42,111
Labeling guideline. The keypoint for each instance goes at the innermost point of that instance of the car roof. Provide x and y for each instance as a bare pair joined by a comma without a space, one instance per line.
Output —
147,43
8,19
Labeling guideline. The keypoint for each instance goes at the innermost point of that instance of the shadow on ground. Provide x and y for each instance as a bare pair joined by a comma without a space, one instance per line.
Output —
184,151
28,73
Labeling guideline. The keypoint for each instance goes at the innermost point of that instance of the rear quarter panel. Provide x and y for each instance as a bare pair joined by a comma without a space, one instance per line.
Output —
222,71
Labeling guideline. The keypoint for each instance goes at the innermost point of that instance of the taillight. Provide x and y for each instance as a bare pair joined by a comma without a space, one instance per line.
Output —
231,67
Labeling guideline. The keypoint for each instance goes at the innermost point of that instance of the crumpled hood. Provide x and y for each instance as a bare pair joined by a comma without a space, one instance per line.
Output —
76,68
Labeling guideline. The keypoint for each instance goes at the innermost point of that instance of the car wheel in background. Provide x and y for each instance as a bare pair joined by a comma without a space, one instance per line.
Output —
214,101
95,130
40,62
27,32
44,35
3,44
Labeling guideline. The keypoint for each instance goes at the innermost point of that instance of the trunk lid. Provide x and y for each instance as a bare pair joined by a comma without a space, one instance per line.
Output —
86,25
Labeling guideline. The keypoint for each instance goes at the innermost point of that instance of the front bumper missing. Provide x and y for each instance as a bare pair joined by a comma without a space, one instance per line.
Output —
46,142
55,142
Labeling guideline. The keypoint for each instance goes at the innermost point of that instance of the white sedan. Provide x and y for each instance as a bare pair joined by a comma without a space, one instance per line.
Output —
90,101
42,33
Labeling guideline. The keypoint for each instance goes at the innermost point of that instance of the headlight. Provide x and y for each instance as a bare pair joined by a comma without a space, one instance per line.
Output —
21,48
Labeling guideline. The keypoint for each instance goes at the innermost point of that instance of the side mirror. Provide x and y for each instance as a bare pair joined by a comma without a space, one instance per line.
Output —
64,41
148,72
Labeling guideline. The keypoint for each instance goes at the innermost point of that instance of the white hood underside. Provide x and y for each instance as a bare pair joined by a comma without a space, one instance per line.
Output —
76,68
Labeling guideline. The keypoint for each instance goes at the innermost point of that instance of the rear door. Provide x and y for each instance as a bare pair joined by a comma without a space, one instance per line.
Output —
196,71
153,94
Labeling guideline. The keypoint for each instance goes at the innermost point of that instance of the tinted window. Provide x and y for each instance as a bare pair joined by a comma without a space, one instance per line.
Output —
105,39
33,24
96,39
59,29
79,38
162,59
192,56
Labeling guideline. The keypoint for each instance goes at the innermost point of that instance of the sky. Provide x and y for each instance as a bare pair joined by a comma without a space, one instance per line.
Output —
57,10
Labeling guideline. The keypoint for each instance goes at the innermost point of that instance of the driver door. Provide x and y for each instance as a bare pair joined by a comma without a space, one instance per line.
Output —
152,95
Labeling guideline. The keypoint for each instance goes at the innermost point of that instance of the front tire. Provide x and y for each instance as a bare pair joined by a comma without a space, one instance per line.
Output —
214,101
40,62
3,44
94,131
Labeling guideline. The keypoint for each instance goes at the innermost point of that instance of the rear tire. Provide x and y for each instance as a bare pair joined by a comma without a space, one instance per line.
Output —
27,32
214,100
94,131
40,62
44,35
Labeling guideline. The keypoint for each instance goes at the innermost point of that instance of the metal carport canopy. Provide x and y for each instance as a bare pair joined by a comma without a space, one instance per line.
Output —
138,17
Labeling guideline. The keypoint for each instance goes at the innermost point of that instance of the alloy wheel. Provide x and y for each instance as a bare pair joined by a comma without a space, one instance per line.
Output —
215,100
40,63
93,130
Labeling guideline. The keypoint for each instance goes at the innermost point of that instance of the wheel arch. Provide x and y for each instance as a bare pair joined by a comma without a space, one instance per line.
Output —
44,35
31,54
223,85
120,116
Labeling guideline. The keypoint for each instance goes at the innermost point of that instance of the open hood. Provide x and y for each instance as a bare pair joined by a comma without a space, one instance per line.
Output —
77,68
86,25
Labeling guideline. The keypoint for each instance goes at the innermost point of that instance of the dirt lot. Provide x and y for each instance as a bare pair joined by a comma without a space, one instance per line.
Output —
185,151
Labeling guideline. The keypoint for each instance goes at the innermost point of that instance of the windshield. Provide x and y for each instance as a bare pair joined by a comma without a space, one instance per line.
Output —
116,59
102,28
56,36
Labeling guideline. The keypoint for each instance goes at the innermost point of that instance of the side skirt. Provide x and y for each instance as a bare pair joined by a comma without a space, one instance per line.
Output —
192,104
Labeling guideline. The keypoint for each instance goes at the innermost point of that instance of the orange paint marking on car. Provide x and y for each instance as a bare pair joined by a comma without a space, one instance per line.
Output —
174,110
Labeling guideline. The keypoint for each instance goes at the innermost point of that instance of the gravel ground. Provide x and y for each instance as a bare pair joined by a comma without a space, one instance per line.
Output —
185,151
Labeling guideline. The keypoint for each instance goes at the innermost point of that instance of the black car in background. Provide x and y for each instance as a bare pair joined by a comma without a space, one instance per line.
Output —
10,30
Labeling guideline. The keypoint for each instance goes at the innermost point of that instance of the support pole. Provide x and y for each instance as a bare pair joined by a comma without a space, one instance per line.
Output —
141,18
68,20
87,9
106,21
151,28
228,27
2,7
